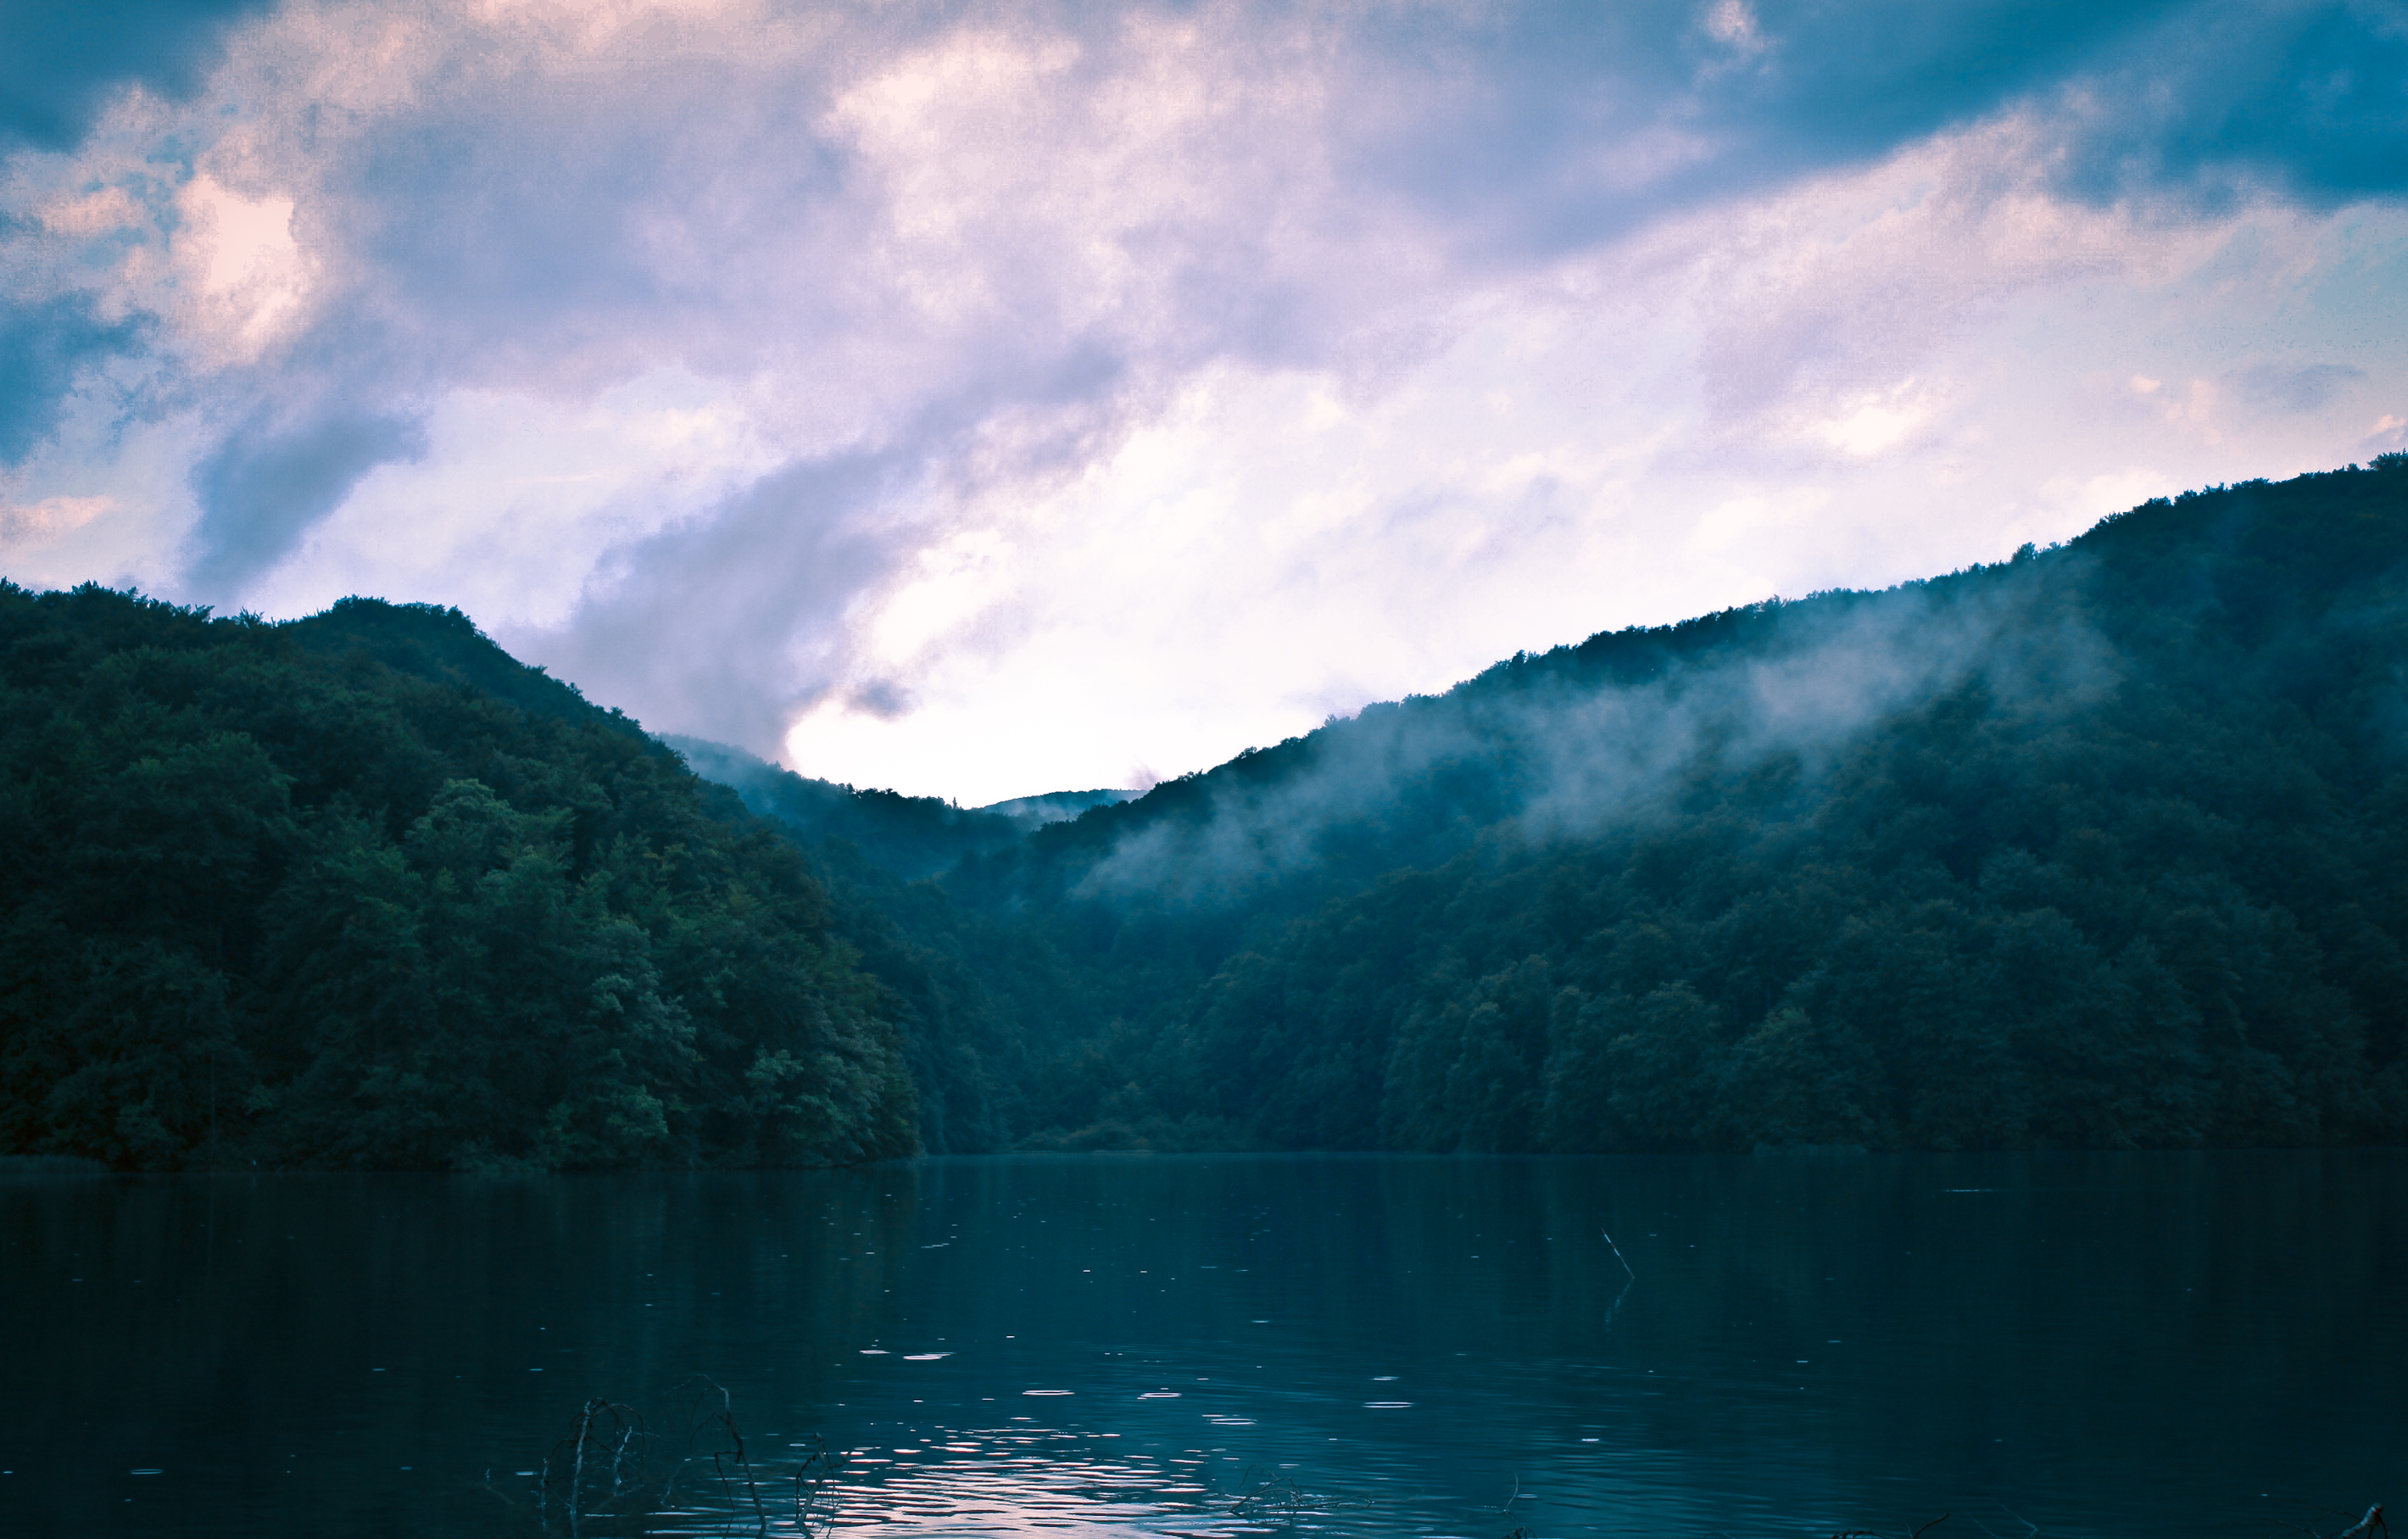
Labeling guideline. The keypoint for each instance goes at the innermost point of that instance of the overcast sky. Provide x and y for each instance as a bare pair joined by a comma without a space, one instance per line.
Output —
982,400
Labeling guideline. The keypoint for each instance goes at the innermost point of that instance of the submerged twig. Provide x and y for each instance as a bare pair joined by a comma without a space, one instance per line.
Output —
811,1481
604,1430
704,1417
1619,1257
607,1457
2364,1528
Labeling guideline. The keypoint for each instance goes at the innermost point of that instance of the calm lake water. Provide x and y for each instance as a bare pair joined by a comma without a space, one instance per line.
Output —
2080,1345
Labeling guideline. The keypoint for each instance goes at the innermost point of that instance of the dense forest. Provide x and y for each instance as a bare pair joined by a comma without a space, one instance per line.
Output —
2103,846
361,891
911,837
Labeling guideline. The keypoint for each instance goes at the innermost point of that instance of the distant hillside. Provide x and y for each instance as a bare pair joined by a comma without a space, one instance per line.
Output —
1034,813
912,837
362,891
975,996
909,836
2105,845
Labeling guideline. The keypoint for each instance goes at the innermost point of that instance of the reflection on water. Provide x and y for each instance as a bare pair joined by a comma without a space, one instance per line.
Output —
948,1479
1223,1344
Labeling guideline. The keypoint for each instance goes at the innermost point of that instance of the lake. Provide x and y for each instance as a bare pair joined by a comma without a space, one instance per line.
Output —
2064,1346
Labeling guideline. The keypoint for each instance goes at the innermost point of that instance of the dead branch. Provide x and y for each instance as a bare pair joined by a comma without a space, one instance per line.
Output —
2365,1527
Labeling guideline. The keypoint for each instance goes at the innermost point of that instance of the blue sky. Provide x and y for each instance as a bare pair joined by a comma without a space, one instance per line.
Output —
982,400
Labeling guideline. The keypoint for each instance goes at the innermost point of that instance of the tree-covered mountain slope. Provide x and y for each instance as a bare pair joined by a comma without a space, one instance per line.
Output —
360,890
2106,846
972,991
913,837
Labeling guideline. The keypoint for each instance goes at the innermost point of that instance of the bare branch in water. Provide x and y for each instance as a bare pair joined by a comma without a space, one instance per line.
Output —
603,1467
1618,1256
712,1413
606,1436
2365,1527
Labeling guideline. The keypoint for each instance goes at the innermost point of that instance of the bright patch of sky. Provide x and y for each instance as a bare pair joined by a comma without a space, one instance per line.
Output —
992,399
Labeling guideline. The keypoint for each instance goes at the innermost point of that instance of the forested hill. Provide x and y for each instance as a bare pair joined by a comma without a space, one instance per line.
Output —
913,837
360,890
2105,845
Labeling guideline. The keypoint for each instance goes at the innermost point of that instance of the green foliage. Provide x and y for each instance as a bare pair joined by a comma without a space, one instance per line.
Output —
361,891
911,837
2130,871
2103,846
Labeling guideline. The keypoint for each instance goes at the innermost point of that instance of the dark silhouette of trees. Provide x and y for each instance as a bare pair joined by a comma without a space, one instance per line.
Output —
362,891
2103,846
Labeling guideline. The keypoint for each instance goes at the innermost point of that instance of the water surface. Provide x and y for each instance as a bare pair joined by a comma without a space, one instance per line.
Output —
2076,1344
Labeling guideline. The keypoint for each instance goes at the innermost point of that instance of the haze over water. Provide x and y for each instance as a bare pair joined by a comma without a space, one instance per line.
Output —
2091,1345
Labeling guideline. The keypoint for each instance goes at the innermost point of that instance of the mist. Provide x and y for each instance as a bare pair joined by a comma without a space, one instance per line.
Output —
1613,733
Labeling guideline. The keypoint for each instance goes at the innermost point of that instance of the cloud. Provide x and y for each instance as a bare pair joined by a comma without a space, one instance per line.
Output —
1226,365
264,487
1549,127
47,520
732,621
248,277
44,345
60,62
2302,389
2310,99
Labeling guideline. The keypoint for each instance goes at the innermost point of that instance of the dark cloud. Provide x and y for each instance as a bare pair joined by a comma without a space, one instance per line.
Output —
2308,101
60,59
883,698
262,489
1843,80
1565,124
728,627
535,230
42,348
1552,127
2295,389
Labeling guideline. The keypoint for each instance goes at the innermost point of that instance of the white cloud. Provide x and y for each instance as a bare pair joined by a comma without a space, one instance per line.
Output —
1009,398
1733,22
34,523
247,274
1874,422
